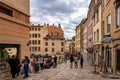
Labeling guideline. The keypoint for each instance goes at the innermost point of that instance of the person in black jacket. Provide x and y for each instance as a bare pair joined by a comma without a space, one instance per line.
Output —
18,65
71,60
13,65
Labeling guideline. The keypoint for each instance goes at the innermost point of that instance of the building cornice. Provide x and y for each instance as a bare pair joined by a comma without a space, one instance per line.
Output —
12,19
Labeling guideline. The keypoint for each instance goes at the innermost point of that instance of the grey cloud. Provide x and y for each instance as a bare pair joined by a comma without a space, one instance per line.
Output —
60,11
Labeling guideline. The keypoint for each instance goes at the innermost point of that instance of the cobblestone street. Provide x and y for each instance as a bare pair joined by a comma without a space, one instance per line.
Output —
64,72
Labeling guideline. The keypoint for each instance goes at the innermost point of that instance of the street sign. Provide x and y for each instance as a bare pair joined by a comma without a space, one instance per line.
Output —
107,39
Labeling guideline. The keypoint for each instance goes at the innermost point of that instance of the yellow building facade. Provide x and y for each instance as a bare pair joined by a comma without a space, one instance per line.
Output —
97,35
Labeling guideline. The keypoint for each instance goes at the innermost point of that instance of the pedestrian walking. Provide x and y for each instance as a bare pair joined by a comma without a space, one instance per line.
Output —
37,65
33,65
13,65
71,60
26,62
76,61
65,58
55,60
41,59
18,65
81,60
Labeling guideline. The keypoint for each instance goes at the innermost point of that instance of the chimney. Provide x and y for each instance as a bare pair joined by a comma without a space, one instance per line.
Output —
59,25
44,24
38,24
53,24
48,24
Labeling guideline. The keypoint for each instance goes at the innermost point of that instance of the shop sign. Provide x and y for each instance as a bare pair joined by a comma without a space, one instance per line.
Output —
107,39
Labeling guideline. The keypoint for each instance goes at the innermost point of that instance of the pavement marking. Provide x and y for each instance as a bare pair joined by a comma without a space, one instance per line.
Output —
75,73
50,78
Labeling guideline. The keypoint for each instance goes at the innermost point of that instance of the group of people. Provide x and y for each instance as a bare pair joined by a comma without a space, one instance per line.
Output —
39,63
15,66
75,58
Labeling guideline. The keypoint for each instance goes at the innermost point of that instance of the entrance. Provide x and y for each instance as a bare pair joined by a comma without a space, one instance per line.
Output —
6,51
118,60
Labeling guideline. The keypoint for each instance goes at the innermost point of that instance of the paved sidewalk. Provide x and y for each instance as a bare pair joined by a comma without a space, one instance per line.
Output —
64,72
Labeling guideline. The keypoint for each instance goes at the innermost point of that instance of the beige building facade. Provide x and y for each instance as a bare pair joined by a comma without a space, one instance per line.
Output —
111,23
97,34
49,40
77,39
14,30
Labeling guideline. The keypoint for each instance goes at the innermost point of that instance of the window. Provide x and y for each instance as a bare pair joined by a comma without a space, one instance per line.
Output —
30,48
53,50
98,35
35,41
32,29
6,11
38,41
38,48
118,17
53,44
103,25
38,35
108,23
94,36
62,43
38,29
96,17
35,49
46,43
30,41
35,35
35,29
61,49
46,49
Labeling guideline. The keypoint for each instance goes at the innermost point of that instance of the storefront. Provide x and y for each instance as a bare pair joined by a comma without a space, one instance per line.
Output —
6,51
97,56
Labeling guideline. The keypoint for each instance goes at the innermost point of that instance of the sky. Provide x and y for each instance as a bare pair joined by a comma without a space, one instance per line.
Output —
68,13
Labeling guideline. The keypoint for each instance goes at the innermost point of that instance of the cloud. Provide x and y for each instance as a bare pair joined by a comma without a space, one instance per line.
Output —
68,13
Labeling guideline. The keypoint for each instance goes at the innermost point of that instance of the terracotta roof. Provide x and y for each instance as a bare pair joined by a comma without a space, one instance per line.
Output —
55,32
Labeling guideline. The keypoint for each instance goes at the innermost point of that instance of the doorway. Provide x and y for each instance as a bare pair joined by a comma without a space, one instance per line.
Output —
6,51
118,60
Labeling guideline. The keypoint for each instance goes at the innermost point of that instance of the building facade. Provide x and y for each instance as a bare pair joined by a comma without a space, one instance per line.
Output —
111,24
36,37
85,36
97,34
90,30
14,31
77,39
48,39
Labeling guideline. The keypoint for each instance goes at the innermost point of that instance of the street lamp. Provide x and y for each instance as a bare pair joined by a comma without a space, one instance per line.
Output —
116,3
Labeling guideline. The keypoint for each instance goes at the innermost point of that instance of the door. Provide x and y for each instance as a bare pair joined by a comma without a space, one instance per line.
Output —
118,60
